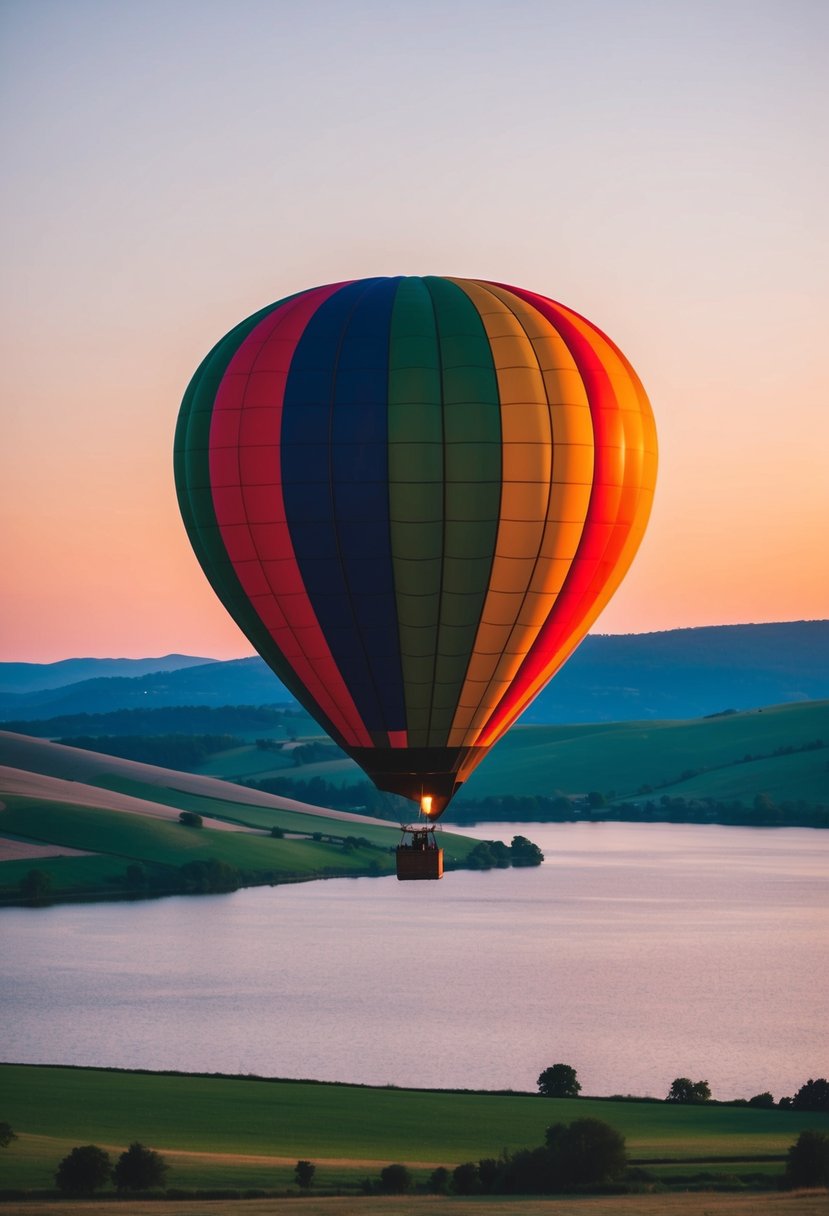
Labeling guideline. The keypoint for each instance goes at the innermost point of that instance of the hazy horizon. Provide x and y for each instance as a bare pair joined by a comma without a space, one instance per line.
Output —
251,654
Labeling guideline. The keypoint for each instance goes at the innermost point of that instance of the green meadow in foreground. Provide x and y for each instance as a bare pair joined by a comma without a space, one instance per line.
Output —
247,1132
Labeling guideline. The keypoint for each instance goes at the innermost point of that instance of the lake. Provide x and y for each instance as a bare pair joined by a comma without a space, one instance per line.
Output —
636,953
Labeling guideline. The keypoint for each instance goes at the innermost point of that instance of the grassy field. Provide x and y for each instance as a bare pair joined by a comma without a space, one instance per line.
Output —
118,839
704,757
125,812
784,778
253,816
622,757
239,1133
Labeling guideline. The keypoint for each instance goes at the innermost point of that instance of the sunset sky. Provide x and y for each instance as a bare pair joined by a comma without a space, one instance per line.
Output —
171,167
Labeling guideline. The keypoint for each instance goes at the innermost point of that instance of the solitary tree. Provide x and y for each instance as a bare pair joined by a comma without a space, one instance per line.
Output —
808,1163
585,1151
687,1091
304,1174
395,1179
559,1081
139,1169
191,820
83,1170
6,1135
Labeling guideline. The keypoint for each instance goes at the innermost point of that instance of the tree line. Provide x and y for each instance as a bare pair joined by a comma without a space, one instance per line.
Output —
173,719
762,811
168,751
561,1081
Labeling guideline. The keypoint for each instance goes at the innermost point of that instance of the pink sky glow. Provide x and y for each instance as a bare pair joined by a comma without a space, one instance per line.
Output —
172,168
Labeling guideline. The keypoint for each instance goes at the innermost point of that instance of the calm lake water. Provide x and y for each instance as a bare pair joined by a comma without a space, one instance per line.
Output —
635,953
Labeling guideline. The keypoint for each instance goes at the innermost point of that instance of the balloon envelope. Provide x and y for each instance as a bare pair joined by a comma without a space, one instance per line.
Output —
415,496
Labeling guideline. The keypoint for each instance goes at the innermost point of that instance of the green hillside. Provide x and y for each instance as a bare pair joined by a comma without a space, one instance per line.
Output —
624,756
165,849
126,816
761,766
782,752
249,1130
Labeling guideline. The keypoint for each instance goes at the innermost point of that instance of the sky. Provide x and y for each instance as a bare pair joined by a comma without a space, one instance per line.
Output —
173,166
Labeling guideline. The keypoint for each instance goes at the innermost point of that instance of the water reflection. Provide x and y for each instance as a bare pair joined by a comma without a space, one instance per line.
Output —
635,953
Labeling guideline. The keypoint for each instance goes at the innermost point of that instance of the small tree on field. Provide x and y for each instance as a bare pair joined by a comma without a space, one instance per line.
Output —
814,1095
83,1170
466,1179
304,1174
808,1163
139,1169
585,1151
687,1091
191,820
765,1100
6,1135
438,1183
395,1179
559,1081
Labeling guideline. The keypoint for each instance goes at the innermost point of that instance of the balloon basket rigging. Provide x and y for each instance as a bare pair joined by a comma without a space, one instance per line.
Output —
418,855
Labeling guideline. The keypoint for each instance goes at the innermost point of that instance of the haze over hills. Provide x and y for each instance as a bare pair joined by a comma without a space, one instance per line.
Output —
204,682
23,678
687,673
679,673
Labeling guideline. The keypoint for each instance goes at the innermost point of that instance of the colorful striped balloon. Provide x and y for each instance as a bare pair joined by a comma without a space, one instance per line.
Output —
415,496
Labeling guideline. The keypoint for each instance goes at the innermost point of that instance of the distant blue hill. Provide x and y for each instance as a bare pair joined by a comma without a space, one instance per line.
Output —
24,678
681,673
687,673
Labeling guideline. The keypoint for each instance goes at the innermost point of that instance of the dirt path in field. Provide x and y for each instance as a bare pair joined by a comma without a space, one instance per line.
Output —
41,756
14,849
797,1203
268,1159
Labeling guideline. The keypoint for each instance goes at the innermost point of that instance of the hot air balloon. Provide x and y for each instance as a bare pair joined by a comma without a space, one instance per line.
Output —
415,496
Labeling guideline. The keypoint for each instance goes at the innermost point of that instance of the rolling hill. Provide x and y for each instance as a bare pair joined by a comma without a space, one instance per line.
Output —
771,750
781,750
99,826
710,769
